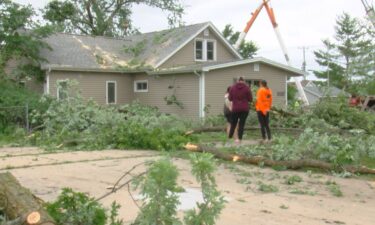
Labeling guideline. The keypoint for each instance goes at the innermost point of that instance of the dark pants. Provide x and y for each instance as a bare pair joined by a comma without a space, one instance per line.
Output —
241,117
264,121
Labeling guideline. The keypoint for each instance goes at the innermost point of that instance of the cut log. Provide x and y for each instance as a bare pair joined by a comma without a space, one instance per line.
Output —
222,129
288,164
20,205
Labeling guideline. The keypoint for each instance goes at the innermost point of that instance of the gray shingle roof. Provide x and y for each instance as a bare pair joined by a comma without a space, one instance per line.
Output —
89,52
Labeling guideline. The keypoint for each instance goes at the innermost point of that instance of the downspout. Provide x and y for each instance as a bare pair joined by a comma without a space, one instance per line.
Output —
202,94
286,91
47,80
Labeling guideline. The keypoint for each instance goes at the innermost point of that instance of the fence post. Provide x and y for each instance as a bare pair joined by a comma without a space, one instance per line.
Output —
27,118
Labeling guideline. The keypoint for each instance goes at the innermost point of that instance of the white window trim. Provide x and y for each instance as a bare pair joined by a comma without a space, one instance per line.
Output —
256,67
204,49
46,85
215,52
57,87
140,81
106,91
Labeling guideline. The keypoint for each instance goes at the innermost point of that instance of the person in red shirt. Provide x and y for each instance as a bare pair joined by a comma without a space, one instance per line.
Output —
263,106
240,96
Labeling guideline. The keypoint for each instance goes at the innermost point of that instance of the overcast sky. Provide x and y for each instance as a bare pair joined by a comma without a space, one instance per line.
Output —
301,22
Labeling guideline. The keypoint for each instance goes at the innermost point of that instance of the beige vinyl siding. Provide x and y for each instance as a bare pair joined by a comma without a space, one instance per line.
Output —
185,56
30,82
35,85
187,92
217,82
93,85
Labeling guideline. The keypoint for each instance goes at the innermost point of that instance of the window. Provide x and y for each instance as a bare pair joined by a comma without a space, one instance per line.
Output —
141,86
111,92
205,50
256,67
210,50
62,89
199,50
252,82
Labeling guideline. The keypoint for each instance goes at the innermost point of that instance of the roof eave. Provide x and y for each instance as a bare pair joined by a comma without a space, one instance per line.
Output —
99,70
296,72
169,72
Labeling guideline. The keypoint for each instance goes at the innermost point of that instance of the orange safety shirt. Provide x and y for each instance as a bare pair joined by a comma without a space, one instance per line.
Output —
264,100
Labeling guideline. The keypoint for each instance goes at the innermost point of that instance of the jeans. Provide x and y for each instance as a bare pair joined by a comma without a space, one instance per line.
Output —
241,117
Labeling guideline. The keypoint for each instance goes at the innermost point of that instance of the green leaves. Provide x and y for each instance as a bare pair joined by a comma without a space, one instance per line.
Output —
349,58
20,38
159,190
77,123
103,17
203,167
76,208
247,49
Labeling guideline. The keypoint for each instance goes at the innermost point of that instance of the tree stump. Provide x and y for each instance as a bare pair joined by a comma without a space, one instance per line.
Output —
20,205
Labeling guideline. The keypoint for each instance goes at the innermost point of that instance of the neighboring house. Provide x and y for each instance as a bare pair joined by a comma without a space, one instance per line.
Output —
192,64
314,92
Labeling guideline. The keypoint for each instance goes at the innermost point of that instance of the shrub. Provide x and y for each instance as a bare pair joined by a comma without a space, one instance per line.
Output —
12,94
76,123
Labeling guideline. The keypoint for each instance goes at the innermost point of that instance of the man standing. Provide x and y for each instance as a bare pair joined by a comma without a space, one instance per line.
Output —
240,96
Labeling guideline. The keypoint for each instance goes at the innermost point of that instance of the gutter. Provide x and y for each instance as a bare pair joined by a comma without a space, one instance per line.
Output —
99,70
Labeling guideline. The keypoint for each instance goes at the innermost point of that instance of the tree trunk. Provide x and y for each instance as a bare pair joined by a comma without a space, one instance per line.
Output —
288,164
222,128
19,204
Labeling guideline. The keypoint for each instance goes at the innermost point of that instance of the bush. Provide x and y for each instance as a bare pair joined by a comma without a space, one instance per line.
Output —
80,124
337,112
76,208
310,144
12,94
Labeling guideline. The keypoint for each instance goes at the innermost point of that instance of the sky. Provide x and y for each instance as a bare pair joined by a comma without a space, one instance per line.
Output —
302,23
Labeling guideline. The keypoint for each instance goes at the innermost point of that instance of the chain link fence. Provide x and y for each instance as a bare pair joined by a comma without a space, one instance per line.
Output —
14,116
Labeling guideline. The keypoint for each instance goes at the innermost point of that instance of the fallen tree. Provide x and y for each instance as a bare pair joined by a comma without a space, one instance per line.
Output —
222,128
288,164
20,205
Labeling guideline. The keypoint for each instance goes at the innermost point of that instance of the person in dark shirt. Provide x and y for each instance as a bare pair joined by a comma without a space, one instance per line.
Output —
240,96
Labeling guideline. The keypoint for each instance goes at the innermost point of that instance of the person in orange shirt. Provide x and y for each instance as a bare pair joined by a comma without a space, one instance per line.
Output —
263,106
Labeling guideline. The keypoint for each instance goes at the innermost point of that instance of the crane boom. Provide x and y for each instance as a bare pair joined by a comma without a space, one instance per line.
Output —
271,15
369,11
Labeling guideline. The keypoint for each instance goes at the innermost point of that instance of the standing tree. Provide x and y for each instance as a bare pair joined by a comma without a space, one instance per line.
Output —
346,59
104,17
247,49
20,38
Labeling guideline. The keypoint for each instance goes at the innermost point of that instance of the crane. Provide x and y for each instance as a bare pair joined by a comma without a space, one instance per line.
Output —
370,11
271,15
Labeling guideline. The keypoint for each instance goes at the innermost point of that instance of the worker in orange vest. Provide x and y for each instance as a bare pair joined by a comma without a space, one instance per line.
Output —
263,106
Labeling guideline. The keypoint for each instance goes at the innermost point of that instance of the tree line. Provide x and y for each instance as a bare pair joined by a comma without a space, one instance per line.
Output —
347,59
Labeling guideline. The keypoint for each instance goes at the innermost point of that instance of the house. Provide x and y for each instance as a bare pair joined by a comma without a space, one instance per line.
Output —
314,92
190,65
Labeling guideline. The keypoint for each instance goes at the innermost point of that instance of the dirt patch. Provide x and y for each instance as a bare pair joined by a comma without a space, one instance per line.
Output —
255,195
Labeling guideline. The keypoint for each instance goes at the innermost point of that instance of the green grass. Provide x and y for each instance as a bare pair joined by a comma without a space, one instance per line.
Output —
267,188
368,162
297,191
290,180
334,188
284,206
